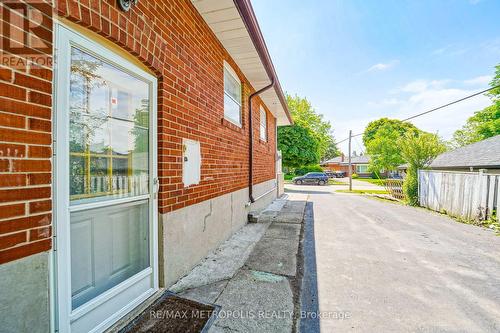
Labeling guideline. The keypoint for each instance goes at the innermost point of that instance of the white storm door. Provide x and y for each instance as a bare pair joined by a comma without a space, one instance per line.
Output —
106,206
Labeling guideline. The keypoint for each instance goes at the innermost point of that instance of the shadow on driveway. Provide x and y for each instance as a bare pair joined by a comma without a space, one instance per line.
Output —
306,190
309,321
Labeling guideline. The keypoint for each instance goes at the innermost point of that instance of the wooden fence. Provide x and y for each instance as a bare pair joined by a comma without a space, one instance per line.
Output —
395,188
470,195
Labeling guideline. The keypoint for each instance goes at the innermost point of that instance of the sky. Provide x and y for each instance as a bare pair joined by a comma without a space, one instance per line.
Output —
360,60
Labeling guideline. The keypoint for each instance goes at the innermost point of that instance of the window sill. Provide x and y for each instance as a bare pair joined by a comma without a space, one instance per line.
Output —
230,124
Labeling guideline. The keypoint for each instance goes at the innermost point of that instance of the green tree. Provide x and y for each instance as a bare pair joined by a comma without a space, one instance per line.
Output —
398,126
298,146
331,151
417,151
304,115
482,125
485,123
495,82
383,150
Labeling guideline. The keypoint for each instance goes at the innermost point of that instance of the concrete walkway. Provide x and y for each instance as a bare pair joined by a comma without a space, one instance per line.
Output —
252,276
385,267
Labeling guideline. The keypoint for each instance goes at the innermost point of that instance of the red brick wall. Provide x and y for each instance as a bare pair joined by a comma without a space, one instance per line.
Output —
25,144
171,38
338,167
264,151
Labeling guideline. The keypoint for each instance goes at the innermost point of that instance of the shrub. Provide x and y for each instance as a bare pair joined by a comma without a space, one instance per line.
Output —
308,168
410,186
418,151
376,175
355,175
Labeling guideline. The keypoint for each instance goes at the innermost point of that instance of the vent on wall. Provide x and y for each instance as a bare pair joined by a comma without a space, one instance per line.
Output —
191,162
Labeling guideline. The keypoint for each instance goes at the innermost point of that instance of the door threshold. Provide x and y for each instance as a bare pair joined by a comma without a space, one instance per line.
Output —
131,315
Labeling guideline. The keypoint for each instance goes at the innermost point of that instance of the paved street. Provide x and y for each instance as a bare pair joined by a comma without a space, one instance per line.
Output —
392,268
357,184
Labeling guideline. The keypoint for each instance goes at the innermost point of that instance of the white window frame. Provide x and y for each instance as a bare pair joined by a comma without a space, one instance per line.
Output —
64,315
263,124
230,71
358,166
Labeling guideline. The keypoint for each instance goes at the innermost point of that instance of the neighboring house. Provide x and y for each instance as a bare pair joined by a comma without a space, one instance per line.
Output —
401,171
484,154
132,143
333,164
359,165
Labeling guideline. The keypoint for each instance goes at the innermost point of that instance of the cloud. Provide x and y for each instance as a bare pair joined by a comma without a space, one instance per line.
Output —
491,46
421,85
419,96
451,50
482,81
422,95
383,66
385,102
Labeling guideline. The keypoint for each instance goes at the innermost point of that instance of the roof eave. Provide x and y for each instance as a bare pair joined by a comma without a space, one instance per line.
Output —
464,166
234,24
250,20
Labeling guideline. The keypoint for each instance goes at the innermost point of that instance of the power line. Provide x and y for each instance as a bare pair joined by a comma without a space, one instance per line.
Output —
435,109
341,141
451,103
359,146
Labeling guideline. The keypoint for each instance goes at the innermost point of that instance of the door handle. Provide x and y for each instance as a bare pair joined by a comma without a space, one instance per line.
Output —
156,187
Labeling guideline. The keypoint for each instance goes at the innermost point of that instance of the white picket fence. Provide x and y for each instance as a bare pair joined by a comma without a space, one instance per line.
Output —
120,185
470,195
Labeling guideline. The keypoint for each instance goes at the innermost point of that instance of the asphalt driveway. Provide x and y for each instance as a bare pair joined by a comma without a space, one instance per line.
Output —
385,267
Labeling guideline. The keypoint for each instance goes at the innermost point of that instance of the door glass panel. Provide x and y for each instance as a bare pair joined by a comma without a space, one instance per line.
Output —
109,131
108,245
109,159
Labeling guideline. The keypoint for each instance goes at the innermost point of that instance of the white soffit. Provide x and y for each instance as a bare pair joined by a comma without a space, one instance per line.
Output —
225,21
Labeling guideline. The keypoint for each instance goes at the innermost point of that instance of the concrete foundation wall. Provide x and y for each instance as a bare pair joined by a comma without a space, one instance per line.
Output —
260,189
24,295
189,234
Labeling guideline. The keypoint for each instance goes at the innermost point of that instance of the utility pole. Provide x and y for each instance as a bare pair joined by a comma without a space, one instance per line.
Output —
350,168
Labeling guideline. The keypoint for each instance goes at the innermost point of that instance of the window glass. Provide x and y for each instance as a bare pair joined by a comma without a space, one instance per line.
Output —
263,124
232,110
232,86
362,168
109,130
232,97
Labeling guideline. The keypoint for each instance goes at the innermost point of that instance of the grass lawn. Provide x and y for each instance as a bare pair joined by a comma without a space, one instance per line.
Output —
364,191
330,182
380,182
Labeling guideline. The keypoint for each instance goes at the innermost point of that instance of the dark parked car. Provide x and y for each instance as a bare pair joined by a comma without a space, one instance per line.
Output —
319,178
330,174
339,174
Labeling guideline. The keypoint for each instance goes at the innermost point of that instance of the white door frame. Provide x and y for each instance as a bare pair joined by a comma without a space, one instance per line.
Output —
61,270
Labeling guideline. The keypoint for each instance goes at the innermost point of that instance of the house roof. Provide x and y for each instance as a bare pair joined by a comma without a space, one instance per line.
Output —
362,159
337,159
482,154
235,25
